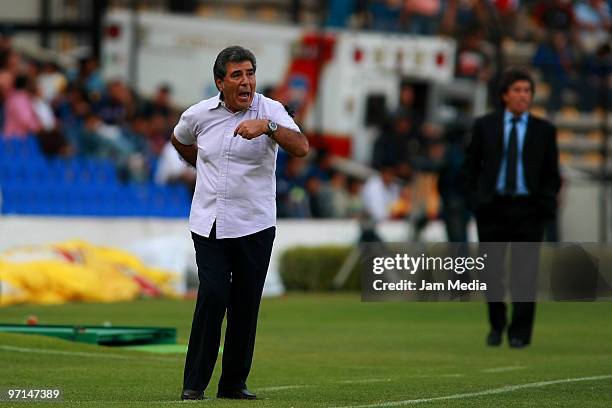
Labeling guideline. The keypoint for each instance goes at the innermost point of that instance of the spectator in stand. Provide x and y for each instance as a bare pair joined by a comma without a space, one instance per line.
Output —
400,137
137,131
385,15
41,107
407,101
32,69
20,120
97,139
594,21
451,181
397,144
464,13
507,11
355,207
422,17
90,78
10,63
380,192
71,109
554,15
52,141
172,169
161,103
322,166
477,25
334,197
313,187
6,40
51,81
474,56
339,13
118,104
402,206
291,197
158,134
408,105
598,75
557,61
100,140
10,66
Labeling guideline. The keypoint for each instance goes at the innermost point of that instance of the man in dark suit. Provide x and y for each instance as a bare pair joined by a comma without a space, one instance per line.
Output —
513,179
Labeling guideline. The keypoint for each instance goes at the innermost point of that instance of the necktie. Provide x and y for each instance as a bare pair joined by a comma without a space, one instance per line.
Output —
511,156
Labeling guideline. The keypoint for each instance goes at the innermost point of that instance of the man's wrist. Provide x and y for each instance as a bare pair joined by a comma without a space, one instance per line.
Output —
271,128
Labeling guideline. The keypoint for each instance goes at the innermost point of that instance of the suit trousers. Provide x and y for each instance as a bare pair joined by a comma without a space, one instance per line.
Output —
508,222
232,273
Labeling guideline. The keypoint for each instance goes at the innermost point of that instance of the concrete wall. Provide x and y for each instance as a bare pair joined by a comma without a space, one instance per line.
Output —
167,242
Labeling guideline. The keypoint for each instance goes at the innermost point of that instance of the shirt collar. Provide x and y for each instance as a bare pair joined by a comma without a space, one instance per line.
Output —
216,102
509,115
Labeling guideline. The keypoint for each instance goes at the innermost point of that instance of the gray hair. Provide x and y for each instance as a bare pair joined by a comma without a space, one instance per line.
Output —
234,53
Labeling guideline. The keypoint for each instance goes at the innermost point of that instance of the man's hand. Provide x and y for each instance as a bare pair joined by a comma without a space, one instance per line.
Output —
252,128
295,143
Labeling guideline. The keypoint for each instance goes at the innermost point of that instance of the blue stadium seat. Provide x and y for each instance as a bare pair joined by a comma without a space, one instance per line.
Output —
32,184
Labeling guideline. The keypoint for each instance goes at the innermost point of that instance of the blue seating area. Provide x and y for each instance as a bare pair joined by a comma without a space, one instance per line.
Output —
32,184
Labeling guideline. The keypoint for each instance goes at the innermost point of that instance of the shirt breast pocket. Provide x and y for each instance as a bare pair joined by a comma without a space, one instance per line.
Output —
250,151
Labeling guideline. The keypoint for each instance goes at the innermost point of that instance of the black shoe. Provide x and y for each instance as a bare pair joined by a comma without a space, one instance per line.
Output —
192,395
518,343
494,339
237,394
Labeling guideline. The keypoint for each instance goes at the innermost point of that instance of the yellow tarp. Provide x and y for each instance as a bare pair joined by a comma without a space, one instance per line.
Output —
77,271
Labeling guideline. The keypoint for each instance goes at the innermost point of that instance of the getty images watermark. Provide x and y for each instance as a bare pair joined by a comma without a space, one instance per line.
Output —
413,264
525,271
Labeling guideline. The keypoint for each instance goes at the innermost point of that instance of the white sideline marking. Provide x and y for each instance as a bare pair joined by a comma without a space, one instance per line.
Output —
282,387
290,387
439,375
502,369
364,381
81,353
501,390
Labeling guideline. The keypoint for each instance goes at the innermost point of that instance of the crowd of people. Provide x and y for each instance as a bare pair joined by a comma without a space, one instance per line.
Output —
519,19
412,159
78,112
572,37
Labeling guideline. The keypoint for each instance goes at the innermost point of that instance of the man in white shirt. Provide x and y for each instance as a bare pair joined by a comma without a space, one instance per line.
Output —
171,169
232,139
380,192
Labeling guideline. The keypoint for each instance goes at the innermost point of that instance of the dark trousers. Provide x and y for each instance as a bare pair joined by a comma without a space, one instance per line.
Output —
508,222
232,272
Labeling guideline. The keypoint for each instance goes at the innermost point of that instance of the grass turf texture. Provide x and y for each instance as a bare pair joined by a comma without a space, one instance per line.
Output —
343,352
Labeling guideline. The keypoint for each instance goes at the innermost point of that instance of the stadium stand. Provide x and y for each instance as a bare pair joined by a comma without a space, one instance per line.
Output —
32,184
98,179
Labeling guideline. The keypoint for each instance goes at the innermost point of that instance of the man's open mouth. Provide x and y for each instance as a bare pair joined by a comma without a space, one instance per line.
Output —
244,96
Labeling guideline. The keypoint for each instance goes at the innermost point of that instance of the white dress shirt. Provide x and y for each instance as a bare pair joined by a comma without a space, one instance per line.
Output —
170,165
236,183
378,197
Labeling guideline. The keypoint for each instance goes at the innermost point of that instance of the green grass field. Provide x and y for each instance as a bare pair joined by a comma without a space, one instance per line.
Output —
330,351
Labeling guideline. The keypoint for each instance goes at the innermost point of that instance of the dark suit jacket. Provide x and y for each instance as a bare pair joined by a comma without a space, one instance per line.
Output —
540,162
